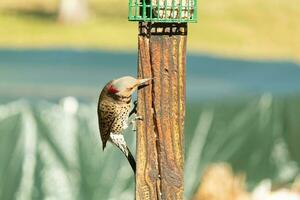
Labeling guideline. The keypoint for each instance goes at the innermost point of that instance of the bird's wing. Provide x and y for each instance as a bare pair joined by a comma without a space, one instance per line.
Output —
106,117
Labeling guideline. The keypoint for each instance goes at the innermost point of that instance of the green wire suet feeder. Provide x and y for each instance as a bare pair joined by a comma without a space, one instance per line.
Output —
168,11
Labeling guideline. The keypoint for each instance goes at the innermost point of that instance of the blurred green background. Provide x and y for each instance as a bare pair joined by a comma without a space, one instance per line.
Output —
236,28
243,95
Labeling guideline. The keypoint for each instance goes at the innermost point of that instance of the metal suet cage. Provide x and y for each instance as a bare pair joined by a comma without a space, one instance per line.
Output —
168,11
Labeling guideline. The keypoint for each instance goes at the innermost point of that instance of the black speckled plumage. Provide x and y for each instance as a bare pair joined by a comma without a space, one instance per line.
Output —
113,111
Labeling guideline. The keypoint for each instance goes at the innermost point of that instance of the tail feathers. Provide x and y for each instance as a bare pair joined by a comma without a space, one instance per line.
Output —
119,141
103,145
131,160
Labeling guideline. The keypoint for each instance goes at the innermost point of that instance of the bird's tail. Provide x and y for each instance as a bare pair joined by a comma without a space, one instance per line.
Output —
131,160
120,142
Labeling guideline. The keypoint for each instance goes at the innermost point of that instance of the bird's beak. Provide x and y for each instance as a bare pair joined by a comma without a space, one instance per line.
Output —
143,81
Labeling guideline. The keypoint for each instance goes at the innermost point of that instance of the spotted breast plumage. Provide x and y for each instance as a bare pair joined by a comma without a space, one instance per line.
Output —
113,111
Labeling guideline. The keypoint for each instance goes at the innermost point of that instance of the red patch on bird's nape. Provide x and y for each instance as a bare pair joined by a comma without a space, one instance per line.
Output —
112,90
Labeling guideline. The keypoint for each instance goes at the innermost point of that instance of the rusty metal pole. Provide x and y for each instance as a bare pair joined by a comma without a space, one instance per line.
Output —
160,136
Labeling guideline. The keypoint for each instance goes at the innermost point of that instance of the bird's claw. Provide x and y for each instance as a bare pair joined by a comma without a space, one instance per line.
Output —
138,118
133,122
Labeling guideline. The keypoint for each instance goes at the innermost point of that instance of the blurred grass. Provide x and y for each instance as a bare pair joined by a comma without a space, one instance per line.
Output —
236,28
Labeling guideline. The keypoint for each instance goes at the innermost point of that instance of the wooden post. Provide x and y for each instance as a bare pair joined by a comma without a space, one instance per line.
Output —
160,137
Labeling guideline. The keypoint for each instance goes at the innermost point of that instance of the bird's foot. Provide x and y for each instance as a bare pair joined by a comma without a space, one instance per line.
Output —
133,122
138,118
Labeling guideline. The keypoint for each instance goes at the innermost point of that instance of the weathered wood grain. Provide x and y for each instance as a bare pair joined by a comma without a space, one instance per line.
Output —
160,145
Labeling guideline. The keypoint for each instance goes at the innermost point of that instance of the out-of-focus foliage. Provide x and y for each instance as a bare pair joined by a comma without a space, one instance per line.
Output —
48,151
249,134
53,150
243,28
241,112
220,183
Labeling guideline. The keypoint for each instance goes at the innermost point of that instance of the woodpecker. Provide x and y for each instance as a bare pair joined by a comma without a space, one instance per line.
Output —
113,112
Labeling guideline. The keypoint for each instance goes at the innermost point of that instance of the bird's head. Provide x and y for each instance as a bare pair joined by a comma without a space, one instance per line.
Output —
125,86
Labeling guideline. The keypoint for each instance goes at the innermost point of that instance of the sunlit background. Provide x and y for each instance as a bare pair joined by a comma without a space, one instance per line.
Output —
242,130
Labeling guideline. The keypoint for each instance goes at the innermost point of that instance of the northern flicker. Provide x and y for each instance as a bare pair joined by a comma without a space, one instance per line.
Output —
113,112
